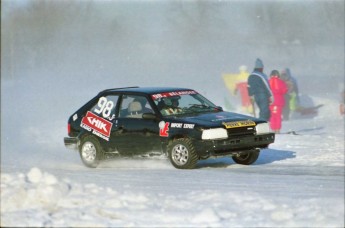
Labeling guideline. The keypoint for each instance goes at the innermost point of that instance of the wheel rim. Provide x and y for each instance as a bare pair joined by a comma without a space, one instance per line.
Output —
88,152
180,154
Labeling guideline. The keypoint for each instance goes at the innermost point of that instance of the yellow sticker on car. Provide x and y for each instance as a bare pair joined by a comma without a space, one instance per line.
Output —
244,123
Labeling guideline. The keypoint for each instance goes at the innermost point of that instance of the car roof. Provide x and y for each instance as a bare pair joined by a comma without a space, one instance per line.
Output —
146,90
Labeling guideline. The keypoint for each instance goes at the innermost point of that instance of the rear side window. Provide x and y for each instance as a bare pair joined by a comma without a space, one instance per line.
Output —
106,106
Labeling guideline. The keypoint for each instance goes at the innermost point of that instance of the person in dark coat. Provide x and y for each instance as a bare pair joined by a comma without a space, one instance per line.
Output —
291,97
259,90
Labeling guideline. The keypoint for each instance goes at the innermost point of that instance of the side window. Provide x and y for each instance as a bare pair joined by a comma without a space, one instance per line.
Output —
134,106
106,106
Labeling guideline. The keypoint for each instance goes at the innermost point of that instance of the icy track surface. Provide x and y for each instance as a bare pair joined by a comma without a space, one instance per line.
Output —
56,55
298,182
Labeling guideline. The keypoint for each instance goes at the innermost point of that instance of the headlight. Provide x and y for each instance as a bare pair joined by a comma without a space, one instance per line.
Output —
262,128
215,133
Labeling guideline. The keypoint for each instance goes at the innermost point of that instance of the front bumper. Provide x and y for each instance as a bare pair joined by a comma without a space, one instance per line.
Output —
71,143
233,145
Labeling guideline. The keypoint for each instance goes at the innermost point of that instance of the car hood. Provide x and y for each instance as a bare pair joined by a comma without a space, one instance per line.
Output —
216,119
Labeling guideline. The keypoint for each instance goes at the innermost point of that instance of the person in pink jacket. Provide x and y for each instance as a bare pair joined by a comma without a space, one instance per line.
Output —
279,89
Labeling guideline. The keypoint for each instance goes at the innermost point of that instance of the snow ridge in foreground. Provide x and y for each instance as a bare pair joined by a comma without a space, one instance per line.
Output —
40,199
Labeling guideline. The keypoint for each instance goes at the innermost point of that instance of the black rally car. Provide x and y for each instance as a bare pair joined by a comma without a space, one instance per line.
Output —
176,122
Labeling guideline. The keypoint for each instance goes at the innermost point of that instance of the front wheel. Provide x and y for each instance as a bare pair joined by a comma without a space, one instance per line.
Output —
182,154
247,158
90,151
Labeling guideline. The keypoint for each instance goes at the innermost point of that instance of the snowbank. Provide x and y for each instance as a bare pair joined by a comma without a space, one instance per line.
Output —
38,198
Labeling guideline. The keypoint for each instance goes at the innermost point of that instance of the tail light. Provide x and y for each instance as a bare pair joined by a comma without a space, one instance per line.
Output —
68,128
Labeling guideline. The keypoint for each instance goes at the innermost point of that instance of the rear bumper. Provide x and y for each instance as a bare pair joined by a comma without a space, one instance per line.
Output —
231,146
71,143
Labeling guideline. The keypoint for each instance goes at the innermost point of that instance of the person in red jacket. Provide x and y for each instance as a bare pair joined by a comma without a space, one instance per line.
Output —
279,89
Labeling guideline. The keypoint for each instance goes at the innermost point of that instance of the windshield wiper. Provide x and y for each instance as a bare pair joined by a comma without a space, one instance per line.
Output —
198,106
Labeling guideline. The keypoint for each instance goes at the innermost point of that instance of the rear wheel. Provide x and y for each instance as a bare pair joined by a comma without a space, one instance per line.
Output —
247,158
90,151
182,154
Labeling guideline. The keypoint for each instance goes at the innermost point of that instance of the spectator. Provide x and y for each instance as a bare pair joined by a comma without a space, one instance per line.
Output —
242,87
279,89
291,97
259,90
342,102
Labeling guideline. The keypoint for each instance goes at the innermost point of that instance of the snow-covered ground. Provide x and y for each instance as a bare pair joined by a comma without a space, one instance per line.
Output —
56,55
297,182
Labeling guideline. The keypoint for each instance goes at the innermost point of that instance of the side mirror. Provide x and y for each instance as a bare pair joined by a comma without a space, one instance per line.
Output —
149,116
219,108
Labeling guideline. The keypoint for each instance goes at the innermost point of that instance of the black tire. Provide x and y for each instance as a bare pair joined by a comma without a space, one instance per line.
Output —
182,154
90,151
247,158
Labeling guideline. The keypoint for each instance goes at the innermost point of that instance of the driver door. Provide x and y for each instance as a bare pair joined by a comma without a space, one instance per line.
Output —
131,134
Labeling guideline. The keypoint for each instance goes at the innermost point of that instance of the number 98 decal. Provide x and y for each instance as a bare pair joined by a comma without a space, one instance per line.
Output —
104,107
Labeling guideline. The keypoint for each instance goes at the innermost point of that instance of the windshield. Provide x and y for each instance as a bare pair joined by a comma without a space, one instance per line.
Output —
182,103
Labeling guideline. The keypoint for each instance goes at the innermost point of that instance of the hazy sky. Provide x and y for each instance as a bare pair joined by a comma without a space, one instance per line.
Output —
102,44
